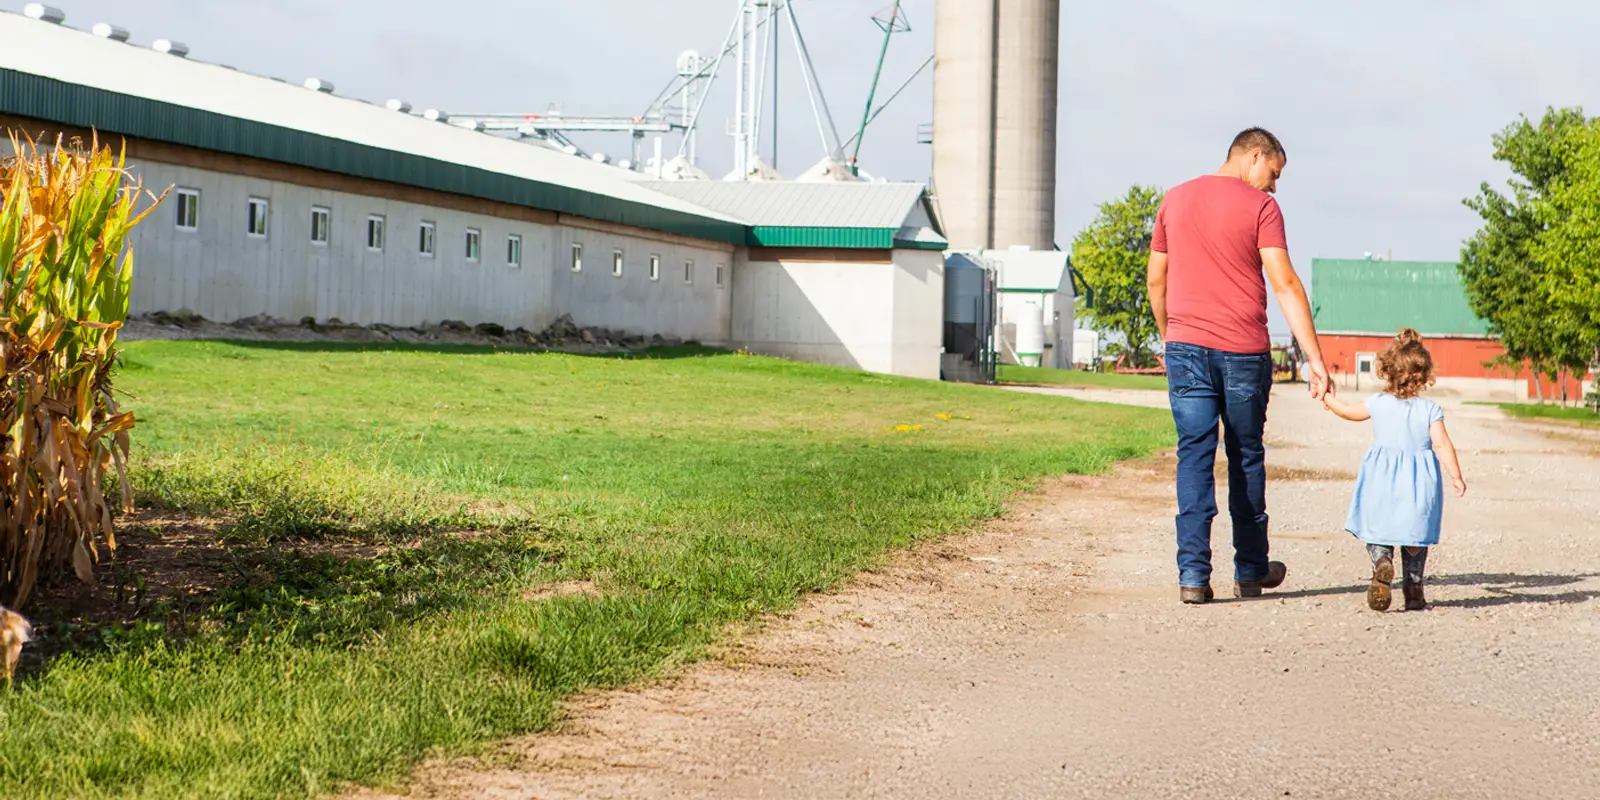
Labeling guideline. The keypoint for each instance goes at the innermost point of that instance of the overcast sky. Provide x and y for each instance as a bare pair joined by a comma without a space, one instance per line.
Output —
1386,108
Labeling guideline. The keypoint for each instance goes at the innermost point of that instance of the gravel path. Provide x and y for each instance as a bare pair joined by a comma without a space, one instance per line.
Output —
1047,656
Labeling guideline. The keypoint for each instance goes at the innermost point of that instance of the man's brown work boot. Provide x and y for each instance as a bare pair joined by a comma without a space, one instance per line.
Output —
1276,572
1195,595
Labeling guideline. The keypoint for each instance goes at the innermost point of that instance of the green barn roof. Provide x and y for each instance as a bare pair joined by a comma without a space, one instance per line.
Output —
1381,297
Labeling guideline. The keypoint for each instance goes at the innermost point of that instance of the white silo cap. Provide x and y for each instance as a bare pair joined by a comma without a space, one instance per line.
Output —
170,47
106,30
44,13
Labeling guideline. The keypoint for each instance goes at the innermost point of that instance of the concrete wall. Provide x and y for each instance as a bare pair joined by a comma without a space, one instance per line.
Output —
882,316
221,272
918,313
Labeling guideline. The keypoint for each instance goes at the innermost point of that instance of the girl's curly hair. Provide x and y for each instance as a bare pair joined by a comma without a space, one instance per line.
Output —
1406,365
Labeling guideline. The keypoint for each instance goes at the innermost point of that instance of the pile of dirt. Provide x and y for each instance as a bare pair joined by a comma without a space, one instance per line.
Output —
564,334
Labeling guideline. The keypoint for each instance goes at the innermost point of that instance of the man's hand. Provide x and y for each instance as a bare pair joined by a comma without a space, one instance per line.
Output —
1297,309
1321,384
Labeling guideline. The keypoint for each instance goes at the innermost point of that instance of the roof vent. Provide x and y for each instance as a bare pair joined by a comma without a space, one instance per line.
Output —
398,105
469,124
106,30
435,115
44,13
170,47
319,85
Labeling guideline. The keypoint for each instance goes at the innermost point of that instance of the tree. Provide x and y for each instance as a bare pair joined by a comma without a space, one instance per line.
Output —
1567,251
1505,282
1112,254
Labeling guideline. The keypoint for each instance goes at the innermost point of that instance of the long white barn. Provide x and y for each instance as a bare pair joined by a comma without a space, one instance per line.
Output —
291,201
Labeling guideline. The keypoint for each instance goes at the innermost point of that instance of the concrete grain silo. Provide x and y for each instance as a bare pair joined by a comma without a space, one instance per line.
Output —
1027,61
995,78
963,120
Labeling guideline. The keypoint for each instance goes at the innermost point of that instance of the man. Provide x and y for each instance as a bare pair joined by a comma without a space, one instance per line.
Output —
1213,236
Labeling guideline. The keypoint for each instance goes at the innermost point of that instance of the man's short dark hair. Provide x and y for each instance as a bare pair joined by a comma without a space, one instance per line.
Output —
1257,139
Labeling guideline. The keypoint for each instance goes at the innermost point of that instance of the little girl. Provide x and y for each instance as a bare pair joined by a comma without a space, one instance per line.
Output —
1399,495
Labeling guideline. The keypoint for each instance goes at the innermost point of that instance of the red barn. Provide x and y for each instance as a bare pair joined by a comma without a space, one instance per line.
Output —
1360,305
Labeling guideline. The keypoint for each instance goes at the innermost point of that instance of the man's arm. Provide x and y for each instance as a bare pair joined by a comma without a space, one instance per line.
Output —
1297,308
1156,282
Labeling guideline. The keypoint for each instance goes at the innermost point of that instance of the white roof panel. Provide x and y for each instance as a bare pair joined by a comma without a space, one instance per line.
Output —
72,56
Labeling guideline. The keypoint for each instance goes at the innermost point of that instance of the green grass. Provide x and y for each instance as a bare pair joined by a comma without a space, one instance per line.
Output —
1552,412
690,491
1044,376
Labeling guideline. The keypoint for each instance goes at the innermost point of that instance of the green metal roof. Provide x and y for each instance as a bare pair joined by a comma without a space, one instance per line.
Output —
1381,297
855,238
835,215
27,95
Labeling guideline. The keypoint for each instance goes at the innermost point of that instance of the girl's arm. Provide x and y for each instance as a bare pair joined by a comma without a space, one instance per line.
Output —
1446,450
1354,413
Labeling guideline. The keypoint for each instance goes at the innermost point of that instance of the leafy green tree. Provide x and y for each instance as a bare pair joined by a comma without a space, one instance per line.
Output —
1505,283
1112,255
1567,251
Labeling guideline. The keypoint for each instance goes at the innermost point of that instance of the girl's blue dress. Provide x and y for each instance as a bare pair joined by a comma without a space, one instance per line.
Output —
1399,499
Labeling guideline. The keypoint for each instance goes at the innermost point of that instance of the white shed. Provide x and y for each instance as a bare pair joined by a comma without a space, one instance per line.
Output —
1036,306
850,274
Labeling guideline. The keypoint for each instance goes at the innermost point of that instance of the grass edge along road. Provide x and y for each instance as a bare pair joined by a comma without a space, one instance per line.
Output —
397,522
1044,376
1550,412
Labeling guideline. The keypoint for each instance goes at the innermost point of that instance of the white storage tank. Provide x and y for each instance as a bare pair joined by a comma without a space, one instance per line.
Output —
1085,348
1030,333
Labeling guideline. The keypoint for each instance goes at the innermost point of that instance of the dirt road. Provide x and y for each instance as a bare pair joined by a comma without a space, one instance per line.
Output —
1048,657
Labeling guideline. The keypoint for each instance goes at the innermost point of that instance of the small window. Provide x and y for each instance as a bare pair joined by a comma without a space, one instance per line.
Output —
577,257
189,209
688,272
321,222
425,237
655,268
474,244
375,232
256,222
616,263
514,250
720,270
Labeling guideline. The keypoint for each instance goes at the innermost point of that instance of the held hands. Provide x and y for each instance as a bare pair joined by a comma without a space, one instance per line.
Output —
1321,384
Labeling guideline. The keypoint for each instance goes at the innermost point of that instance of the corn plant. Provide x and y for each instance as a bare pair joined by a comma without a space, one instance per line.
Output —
64,285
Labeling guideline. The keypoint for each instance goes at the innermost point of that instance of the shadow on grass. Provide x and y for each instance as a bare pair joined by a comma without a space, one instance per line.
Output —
333,594
645,354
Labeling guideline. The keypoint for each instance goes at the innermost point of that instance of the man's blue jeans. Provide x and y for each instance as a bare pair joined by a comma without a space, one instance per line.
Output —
1207,387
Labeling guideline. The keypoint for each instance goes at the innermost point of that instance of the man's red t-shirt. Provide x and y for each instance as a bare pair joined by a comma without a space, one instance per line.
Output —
1213,230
